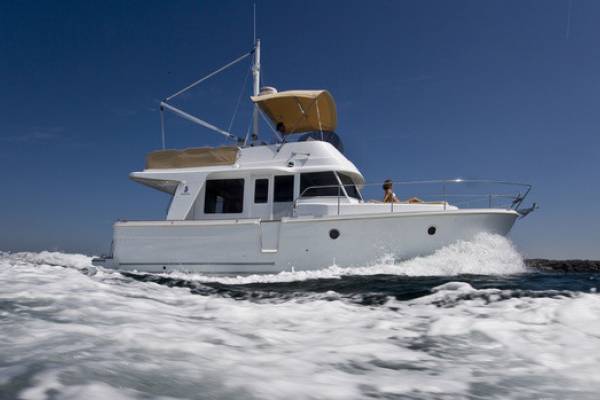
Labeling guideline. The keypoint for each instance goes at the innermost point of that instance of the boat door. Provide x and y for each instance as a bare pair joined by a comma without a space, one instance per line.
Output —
284,189
262,207
262,197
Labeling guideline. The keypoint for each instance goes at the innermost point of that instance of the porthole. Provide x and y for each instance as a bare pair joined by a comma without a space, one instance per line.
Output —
431,230
334,234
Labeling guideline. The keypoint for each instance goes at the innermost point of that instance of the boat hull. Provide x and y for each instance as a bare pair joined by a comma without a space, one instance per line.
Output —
252,245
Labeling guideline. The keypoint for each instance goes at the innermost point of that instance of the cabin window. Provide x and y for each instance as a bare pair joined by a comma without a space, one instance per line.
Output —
327,180
349,186
224,196
261,190
284,189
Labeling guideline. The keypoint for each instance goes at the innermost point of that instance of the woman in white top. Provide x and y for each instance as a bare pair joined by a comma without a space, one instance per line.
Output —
389,195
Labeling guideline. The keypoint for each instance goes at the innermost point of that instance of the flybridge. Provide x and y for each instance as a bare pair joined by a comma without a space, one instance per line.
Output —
286,113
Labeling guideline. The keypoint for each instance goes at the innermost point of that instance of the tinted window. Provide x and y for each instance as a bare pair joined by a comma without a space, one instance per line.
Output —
261,190
349,186
224,196
329,137
284,188
327,179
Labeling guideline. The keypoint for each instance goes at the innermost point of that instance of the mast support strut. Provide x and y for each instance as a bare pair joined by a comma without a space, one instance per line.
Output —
198,121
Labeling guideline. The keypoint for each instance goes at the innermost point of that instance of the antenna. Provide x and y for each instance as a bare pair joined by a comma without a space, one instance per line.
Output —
254,22
568,28
256,77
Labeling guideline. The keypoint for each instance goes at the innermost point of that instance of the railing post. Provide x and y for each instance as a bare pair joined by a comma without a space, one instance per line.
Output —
490,201
338,201
444,195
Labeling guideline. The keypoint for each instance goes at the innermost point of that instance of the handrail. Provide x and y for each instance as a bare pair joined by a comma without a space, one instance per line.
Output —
517,198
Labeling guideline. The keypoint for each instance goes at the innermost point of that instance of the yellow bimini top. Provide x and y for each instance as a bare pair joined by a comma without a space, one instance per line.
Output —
297,111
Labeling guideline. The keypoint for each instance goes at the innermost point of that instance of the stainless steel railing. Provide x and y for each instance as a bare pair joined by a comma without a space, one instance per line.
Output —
446,191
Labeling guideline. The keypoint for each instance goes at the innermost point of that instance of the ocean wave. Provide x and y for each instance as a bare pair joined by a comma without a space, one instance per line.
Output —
69,335
52,258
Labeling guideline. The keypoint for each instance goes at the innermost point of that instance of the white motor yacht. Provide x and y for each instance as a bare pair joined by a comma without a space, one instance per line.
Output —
296,203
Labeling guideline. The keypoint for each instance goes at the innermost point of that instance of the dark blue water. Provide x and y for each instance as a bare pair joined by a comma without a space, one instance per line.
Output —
378,289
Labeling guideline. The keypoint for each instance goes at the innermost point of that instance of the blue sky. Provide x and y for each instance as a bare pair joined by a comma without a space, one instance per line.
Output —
425,89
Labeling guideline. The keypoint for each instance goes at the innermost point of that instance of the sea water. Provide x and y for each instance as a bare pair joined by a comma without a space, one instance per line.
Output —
470,321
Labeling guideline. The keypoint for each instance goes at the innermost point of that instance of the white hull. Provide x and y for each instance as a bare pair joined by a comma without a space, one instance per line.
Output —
249,245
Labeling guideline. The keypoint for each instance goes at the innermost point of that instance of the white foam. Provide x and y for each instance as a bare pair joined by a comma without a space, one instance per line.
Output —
486,255
50,382
80,336
46,258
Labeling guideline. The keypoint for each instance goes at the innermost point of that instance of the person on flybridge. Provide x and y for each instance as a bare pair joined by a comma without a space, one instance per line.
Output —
281,127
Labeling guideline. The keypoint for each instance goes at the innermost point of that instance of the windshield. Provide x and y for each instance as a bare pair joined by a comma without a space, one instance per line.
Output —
314,184
349,185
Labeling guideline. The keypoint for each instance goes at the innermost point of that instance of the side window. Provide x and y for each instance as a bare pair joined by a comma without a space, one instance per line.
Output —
327,180
284,188
224,196
261,190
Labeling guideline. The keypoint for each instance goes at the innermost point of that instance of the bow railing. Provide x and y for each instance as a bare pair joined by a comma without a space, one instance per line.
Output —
461,193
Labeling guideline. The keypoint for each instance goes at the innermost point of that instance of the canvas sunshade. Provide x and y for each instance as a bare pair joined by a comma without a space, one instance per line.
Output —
295,111
193,157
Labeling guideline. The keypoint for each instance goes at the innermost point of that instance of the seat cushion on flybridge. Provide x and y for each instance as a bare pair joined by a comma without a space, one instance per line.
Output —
193,157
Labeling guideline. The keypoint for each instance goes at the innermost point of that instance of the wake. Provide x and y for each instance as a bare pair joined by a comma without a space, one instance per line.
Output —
485,255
